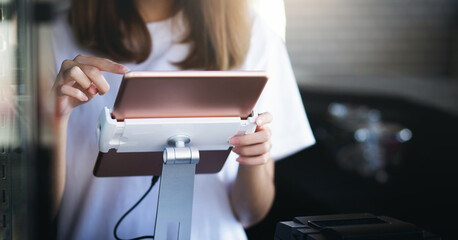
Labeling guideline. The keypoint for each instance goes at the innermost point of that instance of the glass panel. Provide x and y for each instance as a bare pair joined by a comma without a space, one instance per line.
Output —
25,135
8,126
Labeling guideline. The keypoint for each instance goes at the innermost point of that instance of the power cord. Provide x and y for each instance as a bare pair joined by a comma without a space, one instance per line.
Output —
153,182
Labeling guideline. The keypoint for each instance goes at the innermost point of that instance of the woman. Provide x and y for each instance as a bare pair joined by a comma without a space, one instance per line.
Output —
165,35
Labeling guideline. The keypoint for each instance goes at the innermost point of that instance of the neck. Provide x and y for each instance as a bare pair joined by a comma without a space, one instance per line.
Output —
155,10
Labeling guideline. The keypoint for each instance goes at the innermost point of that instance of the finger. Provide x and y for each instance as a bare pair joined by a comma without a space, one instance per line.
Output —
66,64
253,150
264,128
257,160
264,118
90,92
92,89
96,76
73,92
251,139
102,64
75,74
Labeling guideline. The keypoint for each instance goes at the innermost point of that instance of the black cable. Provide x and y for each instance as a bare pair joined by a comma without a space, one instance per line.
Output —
153,182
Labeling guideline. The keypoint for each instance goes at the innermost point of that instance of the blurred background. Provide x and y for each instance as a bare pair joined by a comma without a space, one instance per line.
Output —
379,81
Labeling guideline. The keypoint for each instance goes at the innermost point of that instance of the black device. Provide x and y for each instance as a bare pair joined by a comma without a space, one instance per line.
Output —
359,226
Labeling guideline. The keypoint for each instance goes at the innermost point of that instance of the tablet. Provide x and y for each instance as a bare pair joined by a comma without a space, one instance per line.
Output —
188,94
182,94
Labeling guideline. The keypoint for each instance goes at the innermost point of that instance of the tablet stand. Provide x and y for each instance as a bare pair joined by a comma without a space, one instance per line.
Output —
180,140
174,207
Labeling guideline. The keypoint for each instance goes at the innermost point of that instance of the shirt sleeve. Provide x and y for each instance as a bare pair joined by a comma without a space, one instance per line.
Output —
291,130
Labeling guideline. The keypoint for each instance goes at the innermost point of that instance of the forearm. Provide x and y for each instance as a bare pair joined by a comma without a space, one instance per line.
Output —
78,81
58,162
253,192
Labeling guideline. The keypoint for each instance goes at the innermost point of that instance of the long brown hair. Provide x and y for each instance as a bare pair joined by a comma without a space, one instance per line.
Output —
219,31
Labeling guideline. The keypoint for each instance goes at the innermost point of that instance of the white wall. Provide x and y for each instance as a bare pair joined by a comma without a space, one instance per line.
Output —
371,37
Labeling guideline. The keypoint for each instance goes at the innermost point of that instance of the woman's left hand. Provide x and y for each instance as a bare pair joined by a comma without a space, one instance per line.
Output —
254,149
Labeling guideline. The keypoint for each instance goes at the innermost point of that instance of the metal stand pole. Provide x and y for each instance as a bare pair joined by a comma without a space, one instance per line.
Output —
174,208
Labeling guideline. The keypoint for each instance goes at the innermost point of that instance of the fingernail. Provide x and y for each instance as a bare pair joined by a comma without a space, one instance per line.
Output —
124,68
259,122
84,98
234,141
236,150
92,90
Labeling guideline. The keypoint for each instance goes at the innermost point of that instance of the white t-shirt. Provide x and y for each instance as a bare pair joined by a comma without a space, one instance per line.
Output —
91,206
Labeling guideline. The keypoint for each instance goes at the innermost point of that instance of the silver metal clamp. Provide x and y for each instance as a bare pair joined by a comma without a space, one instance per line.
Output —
180,154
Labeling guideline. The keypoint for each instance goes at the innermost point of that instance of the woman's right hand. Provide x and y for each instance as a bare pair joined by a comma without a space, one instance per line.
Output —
80,79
